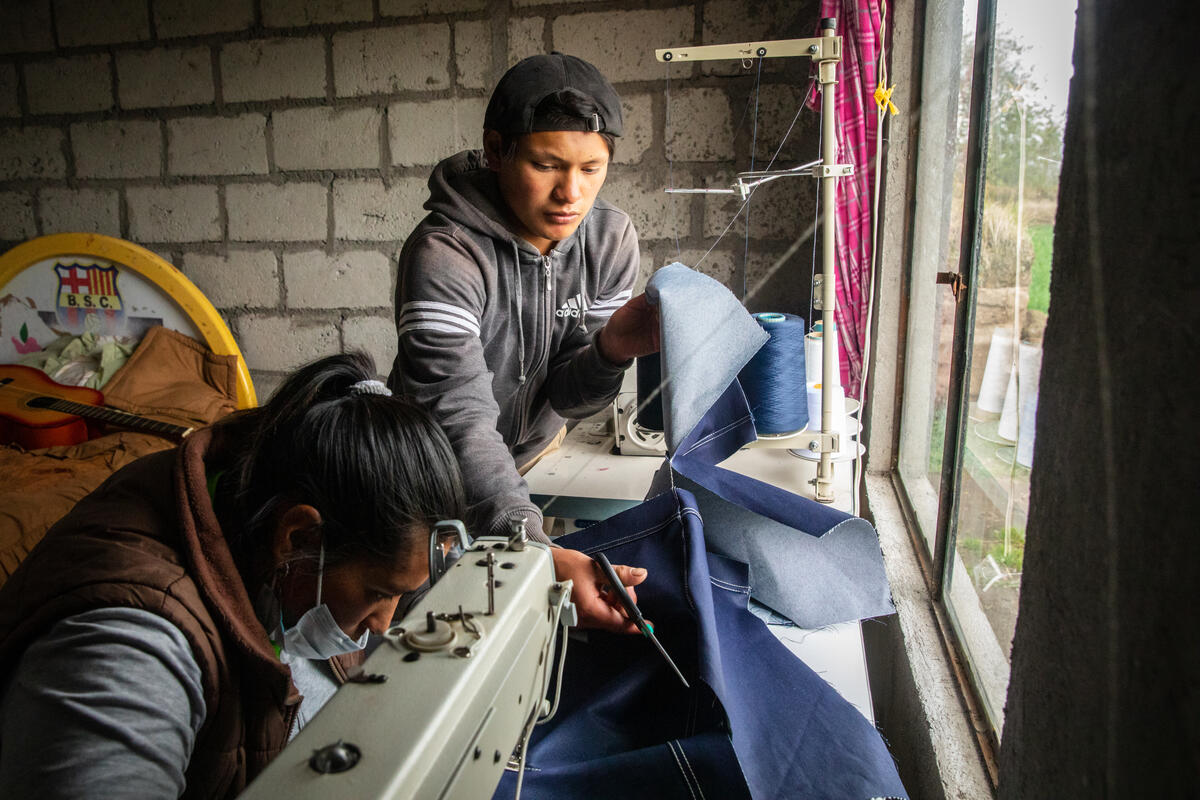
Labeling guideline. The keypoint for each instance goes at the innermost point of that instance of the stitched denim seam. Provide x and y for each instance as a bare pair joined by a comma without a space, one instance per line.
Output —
682,774
630,538
680,511
732,587
653,529
688,763
718,433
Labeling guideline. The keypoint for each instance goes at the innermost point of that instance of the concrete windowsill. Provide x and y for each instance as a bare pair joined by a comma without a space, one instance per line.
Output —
917,696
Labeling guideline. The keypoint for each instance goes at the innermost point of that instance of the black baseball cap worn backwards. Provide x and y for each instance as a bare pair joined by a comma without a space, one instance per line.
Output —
512,109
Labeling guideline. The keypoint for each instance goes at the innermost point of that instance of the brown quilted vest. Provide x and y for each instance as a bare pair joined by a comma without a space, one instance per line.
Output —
148,539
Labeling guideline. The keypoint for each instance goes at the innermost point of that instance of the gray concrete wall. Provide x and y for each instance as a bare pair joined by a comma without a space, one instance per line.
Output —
1103,700
276,151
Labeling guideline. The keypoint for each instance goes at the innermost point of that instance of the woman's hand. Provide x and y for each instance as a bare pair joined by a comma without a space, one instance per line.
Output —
597,609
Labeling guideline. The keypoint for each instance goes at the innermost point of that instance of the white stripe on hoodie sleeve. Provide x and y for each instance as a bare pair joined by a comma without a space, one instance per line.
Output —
604,308
426,315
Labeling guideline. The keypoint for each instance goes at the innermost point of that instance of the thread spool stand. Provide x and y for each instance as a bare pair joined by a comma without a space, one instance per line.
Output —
826,51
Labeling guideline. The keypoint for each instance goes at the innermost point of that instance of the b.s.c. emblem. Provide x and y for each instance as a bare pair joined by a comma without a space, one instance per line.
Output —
88,290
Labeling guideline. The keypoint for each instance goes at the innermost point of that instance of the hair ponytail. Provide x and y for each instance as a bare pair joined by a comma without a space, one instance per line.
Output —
378,468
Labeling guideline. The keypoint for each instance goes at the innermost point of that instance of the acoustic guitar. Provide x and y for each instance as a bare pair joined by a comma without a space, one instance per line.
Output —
36,412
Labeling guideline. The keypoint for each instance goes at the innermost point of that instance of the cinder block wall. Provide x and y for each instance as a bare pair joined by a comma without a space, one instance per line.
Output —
276,151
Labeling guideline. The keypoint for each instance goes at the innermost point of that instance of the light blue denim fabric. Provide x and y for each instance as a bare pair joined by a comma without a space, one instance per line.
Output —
707,337
812,563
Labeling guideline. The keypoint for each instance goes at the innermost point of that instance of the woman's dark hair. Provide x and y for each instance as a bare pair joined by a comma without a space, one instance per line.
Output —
377,468
560,111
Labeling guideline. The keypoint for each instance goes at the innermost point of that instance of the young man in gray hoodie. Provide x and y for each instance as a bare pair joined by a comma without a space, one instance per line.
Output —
514,307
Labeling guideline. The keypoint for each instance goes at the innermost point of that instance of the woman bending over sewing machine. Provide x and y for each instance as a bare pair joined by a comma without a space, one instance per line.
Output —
155,640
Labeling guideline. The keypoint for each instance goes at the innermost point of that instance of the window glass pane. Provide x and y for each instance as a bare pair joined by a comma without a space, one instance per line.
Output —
941,163
1027,113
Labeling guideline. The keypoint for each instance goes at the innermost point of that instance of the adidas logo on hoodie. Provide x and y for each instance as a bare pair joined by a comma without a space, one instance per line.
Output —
571,308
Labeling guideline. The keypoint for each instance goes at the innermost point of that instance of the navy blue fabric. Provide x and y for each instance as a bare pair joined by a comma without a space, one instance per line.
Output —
756,723
727,427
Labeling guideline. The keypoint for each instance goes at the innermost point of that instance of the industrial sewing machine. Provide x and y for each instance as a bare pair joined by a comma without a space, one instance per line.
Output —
632,439
447,702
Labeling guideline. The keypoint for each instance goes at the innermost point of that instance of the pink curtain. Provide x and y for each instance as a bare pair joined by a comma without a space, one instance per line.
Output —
858,24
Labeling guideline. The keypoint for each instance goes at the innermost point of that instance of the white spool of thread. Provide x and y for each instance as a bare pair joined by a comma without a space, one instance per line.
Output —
814,408
1030,367
1008,414
1031,372
996,371
812,357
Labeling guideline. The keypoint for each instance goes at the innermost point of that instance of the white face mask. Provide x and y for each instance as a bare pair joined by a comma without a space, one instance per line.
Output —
316,635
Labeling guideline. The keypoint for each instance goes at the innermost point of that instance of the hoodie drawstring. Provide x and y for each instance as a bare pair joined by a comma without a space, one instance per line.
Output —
583,292
520,320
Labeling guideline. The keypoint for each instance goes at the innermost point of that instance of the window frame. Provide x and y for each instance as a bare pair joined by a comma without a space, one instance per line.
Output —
937,560
970,241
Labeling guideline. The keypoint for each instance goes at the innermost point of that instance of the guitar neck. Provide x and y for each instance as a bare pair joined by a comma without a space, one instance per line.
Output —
115,417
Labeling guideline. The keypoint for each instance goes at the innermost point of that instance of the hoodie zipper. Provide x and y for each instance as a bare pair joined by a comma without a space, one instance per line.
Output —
535,363
548,316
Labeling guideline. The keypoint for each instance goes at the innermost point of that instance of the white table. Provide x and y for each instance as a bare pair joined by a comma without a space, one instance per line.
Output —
586,480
